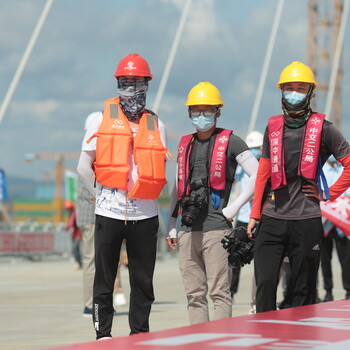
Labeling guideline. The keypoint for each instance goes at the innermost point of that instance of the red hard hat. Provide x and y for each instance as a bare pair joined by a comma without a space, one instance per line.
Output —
135,65
68,205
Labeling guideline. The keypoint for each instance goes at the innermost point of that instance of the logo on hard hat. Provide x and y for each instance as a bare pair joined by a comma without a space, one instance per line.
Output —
295,72
202,93
130,66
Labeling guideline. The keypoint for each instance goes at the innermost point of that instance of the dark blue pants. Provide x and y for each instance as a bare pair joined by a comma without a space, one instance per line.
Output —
76,251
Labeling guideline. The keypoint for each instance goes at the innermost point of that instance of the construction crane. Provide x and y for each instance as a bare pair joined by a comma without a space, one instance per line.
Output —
59,158
326,21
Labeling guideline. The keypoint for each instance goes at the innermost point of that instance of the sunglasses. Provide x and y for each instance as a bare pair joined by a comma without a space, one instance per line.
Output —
198,112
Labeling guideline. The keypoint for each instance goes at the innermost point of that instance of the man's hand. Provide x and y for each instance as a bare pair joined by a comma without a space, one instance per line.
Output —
251,226
311,190
172,243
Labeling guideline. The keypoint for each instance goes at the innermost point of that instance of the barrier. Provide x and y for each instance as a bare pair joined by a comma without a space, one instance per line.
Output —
27,238
27,242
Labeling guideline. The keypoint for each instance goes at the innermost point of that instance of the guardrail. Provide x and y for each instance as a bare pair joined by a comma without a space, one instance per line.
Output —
36,239
32,238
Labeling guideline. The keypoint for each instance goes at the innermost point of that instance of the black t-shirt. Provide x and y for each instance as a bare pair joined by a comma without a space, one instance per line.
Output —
213,219
289,202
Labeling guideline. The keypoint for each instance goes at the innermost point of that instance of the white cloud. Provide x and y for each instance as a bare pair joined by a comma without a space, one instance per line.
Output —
70,72
42,110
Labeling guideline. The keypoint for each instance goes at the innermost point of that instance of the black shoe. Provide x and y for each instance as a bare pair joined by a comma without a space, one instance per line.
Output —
87,312
347,295
328,296
284,304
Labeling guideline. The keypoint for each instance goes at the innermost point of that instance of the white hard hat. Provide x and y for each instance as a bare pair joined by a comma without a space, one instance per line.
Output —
254,139
90,118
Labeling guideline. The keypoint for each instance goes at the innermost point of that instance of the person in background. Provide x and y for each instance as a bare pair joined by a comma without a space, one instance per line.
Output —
125,149
333,236
288,190
72,227
86,223
207,162
254,141
118,293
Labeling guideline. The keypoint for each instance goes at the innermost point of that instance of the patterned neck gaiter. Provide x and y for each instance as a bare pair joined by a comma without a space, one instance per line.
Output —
296,115
296,119
132,94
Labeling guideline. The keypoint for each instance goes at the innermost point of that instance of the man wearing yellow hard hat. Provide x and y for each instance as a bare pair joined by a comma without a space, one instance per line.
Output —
206,166
296,145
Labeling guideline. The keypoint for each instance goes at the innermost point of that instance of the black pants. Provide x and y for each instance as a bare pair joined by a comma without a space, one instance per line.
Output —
287,286
141,246
342,245
300,239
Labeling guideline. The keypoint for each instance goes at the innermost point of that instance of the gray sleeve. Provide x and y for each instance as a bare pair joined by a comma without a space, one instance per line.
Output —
85,170
236,146
333,142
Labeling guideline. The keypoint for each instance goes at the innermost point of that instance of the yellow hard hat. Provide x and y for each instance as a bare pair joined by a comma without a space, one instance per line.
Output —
204,93
297,72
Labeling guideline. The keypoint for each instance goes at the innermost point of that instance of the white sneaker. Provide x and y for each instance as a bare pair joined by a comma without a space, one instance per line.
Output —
76,266
104,338
119,299
252,310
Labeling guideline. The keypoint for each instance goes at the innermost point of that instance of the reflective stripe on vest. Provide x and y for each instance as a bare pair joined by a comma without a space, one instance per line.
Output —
310,150
217,172
113,147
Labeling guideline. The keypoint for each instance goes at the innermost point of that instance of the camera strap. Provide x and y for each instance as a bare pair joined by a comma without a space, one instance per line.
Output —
188,178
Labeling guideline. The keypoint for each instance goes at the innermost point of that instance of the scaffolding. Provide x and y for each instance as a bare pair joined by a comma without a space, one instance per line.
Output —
327,22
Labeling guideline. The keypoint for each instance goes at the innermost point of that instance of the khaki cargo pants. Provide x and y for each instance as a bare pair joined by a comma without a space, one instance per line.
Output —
204,268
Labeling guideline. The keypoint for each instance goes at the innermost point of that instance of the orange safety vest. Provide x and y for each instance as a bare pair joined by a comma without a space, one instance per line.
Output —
114,144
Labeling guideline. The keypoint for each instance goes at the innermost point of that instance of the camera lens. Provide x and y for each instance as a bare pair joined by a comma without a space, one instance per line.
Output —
242,255
234,260
190,215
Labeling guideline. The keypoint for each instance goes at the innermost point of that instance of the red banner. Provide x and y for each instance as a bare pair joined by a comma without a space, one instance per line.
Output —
27,242
323,326
338,212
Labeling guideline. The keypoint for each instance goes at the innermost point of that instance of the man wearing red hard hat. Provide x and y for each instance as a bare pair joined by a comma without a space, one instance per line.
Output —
124,149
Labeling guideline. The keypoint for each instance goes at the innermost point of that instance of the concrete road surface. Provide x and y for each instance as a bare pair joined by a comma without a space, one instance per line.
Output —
41,301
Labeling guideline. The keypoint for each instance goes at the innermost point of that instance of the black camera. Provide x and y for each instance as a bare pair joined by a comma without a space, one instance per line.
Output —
239,247
191,207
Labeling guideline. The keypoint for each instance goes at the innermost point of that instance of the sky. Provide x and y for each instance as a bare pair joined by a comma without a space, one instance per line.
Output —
70,71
